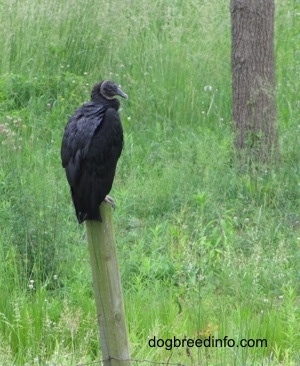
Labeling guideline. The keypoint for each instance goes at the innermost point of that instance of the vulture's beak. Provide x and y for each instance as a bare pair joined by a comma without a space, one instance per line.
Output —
121,93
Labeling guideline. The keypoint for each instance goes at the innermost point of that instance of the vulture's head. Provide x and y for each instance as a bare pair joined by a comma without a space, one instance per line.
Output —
108,90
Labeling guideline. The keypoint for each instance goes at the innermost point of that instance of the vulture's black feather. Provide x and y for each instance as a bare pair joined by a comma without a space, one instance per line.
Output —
91,146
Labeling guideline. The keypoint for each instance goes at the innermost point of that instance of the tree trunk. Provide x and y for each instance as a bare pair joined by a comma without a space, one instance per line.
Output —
253,80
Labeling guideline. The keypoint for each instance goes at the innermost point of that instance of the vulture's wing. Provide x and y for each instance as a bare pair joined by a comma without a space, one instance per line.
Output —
77,138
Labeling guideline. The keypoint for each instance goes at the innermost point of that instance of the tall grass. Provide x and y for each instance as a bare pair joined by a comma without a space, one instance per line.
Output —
205,249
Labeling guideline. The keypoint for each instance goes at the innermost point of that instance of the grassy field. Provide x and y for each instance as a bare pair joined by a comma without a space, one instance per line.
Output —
204,249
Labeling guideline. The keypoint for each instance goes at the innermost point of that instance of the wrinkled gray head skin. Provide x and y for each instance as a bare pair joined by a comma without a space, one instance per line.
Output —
109,89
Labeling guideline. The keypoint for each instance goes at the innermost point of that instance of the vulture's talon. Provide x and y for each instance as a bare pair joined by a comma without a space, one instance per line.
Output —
109,200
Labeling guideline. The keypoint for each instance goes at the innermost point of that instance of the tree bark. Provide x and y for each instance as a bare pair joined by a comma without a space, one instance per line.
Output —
253,80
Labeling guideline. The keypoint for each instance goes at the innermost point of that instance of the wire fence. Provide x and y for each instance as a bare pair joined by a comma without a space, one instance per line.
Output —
133,362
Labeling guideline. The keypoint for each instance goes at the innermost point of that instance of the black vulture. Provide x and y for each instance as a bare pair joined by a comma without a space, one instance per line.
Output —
91,146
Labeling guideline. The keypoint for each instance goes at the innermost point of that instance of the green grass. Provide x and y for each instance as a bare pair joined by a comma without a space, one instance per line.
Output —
204,249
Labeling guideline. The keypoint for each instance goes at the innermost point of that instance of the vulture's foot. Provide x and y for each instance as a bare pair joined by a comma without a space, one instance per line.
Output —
110,201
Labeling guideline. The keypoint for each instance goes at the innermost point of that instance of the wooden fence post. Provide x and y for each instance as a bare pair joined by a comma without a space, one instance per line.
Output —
108,290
